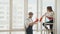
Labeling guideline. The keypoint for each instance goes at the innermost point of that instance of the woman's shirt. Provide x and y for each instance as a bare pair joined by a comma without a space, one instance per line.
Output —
28,21
49,15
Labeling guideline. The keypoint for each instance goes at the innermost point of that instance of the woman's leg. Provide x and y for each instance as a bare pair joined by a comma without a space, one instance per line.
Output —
45,26
51,28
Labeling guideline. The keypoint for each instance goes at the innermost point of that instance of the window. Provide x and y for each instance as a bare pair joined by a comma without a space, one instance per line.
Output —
4,32
18,14
18,32
4,14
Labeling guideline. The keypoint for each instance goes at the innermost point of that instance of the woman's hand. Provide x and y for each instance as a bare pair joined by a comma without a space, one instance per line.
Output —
40,19
36,20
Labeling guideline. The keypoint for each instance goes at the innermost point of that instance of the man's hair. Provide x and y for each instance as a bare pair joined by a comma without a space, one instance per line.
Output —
30,13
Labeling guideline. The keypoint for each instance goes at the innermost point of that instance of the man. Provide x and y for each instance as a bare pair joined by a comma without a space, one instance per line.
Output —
29,23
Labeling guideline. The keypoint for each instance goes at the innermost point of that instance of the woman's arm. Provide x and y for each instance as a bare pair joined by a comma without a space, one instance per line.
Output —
42,17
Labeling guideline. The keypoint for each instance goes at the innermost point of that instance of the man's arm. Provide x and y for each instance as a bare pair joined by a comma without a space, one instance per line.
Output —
32,23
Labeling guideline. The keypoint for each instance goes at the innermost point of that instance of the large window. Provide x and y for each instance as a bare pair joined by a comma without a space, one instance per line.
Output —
13,13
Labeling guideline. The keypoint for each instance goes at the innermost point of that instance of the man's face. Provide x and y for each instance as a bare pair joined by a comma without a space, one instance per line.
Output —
30,16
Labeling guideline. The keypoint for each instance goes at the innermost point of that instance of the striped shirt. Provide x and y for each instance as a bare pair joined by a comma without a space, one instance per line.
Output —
28,21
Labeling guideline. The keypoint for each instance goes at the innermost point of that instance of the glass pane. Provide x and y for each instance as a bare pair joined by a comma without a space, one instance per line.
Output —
21,32
18,14
4,32
4,14
35,32
32,7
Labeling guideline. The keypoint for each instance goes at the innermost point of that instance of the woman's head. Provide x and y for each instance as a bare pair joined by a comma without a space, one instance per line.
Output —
49,8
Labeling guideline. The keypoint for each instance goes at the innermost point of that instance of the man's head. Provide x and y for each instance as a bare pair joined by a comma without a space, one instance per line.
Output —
30,14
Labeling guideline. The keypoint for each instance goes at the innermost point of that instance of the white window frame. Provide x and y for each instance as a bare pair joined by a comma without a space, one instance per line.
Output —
25,14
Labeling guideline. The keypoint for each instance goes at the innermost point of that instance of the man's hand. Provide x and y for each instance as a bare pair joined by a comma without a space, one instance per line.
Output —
31,24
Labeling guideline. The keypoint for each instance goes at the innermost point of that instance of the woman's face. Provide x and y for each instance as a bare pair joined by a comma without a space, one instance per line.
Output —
48,10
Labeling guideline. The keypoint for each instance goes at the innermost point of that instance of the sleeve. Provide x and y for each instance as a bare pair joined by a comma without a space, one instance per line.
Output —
44,15
26,23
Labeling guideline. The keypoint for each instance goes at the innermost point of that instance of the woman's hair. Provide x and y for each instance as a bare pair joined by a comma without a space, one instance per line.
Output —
49,8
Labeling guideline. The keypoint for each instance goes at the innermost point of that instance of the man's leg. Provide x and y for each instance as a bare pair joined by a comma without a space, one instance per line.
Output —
29,30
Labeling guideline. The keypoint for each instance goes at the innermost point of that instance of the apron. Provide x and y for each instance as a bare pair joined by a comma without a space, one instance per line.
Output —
29,30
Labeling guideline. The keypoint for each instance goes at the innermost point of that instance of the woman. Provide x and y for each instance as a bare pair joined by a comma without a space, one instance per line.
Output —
49,14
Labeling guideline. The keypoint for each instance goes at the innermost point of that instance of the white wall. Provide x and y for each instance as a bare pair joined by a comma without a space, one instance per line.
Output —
58,16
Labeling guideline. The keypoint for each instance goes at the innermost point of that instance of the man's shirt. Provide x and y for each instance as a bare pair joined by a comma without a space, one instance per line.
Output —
28,21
